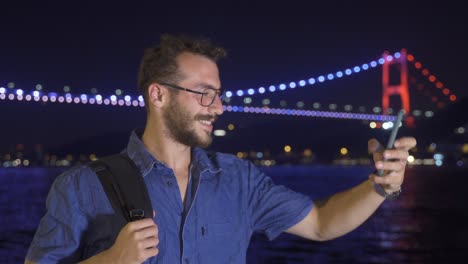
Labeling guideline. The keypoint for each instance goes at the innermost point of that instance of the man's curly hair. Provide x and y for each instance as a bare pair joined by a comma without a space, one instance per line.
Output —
159,62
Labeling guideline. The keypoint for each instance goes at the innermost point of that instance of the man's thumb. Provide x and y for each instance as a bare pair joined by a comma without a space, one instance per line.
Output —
373,145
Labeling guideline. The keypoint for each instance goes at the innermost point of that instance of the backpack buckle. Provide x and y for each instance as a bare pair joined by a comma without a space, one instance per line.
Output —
137,214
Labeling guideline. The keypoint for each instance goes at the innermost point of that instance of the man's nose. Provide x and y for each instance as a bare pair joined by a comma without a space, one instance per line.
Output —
217,106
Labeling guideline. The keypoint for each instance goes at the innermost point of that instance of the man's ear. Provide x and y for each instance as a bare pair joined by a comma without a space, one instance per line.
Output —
157,94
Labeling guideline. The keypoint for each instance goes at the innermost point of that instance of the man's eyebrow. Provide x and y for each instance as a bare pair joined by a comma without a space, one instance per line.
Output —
205,85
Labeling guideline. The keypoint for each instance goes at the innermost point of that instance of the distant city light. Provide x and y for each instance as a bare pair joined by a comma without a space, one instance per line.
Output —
429,114
465,148
219,132
387,125
343,151
93,157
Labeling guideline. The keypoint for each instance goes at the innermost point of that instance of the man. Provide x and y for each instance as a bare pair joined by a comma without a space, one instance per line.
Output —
206,205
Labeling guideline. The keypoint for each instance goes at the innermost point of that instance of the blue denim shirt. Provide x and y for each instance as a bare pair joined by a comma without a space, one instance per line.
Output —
230,199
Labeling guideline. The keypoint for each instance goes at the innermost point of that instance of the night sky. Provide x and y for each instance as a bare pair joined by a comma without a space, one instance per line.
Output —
95,45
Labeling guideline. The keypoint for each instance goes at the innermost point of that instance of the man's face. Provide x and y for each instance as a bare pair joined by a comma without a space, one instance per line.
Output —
186,120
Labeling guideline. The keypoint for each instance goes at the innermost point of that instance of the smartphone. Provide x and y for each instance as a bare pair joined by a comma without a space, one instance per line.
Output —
393,135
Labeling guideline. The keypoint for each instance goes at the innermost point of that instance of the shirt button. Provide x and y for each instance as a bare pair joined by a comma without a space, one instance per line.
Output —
169,183
186,261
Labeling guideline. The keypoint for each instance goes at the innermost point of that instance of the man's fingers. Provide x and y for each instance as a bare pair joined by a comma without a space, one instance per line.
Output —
140,224
396,154
150,242
151,252
390,165
405,143
146,232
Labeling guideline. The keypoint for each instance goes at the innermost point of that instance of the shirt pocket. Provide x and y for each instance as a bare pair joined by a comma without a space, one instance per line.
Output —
218,242
215,232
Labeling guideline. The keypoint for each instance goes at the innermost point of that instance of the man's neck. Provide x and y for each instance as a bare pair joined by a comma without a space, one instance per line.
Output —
175,155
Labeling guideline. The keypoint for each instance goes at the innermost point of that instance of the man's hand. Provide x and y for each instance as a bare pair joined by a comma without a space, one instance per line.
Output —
137,242
392,161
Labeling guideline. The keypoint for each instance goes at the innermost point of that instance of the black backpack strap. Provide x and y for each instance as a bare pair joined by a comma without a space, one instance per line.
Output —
124,186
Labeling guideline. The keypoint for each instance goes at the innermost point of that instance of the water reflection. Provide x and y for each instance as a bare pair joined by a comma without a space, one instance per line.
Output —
426,224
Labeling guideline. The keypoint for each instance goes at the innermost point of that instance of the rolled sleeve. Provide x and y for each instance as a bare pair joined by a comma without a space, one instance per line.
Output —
57,238
274,208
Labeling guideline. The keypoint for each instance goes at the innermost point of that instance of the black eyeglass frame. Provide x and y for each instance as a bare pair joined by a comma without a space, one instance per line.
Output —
204,93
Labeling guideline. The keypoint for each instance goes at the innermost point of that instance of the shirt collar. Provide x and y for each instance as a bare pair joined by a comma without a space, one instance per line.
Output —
136,150
203,160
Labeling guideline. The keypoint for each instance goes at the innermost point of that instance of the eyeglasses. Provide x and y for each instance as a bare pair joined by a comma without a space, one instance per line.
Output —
207,96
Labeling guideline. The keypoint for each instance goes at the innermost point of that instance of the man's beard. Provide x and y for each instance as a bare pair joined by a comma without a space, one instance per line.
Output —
179,123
